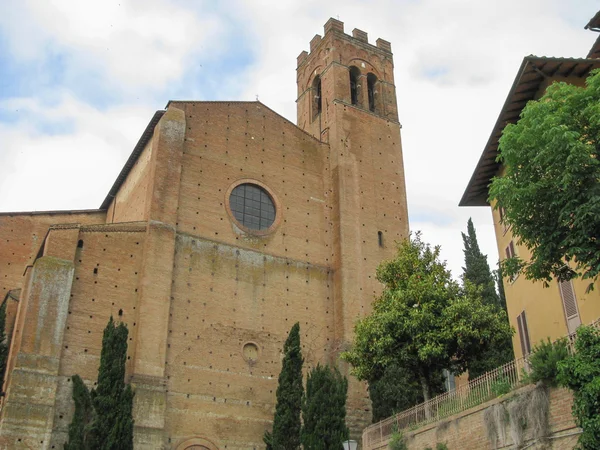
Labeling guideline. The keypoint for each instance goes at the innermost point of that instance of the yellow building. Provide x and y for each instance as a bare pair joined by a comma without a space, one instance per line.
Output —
535,311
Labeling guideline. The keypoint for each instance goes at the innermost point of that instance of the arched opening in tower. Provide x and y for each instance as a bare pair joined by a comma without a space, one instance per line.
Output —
316,97
354,85
371,82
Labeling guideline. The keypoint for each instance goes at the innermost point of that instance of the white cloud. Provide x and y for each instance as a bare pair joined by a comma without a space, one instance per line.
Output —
133,43
72,170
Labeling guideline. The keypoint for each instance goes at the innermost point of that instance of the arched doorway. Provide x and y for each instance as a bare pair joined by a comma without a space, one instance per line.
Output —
197,443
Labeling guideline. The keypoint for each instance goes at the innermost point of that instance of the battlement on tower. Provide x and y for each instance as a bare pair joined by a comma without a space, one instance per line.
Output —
336,27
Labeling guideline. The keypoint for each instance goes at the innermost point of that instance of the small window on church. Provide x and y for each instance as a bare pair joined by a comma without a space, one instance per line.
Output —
371,81
354,85
317,104
252,206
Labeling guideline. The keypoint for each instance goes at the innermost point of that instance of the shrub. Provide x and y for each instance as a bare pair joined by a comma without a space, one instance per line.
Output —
581,373
397,441
544,361
501,386
441,446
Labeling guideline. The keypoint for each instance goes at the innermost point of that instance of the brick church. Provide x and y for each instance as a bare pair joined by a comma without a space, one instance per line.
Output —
227,225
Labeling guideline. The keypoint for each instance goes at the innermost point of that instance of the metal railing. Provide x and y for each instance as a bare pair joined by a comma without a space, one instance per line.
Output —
477,391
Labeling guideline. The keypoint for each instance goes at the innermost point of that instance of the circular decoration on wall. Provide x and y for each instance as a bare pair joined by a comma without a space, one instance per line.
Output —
250,352
252,207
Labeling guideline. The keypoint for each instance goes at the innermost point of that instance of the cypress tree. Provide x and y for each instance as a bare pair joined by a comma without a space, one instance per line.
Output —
82,417
324,410
3,344
500,283
477,271
286,423
112,426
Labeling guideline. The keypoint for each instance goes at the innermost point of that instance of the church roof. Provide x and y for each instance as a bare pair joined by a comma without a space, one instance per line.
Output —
135,154
533,72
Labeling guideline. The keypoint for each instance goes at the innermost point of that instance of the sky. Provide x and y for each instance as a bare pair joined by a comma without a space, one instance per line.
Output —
79,81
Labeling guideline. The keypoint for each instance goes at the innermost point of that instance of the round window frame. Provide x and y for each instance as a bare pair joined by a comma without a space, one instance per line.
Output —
241,226
258,352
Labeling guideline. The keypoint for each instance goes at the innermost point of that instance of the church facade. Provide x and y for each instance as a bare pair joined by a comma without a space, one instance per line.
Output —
227,225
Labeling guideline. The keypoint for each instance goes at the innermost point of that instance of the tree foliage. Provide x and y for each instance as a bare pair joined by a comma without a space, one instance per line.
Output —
550,190
395,391
324,410
82,417
498,275
544,361
477,271
108,425
423,321
286,423
4,347
581,373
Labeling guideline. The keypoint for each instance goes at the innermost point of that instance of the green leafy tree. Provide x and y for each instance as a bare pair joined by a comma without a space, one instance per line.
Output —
423,321
477,271
3,344
286,423
82,416
550,190
581,373
108,425
324,410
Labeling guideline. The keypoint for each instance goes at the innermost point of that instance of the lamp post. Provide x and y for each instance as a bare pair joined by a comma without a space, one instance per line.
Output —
350,445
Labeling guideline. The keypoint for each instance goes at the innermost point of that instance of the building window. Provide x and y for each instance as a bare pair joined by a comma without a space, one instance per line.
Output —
510,250
511,253
524,333
252,206
502,213
371,81
354,85
567,293
317,104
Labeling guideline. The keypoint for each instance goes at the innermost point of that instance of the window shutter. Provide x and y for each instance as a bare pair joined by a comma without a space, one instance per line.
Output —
523,334
570,305
526,333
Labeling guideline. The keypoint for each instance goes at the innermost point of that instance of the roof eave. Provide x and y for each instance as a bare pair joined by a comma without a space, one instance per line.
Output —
477,201
474,195
137,151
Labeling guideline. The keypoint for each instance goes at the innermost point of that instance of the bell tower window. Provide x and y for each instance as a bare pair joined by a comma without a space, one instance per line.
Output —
371,82
317,104
354,85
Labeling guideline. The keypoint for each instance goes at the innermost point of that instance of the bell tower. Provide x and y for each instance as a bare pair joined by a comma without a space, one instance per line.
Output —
345,70
347,98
